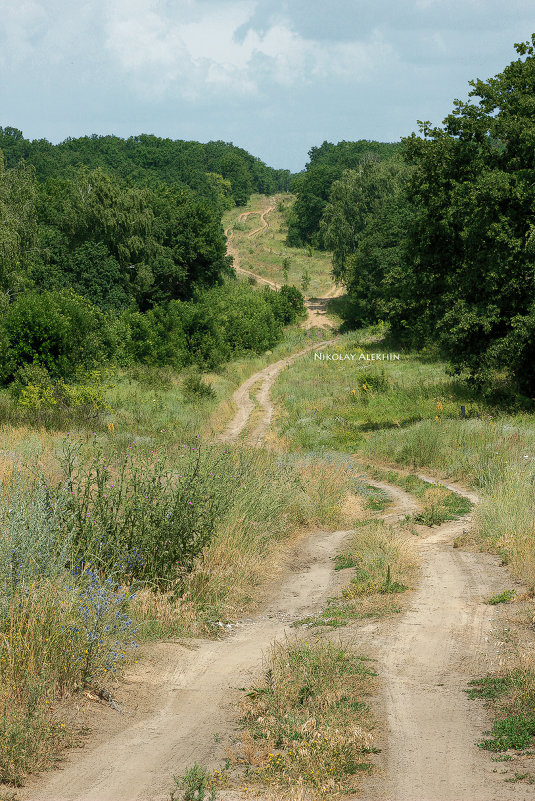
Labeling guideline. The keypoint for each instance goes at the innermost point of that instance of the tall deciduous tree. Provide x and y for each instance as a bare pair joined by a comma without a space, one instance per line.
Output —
471,254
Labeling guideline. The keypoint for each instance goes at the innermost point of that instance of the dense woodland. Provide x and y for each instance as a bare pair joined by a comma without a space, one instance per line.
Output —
437,237
113,251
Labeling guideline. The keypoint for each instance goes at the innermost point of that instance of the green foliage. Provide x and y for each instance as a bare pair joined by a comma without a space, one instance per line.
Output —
490,687
59,331
502,598
287,303
143,517
196,785
194,388
313,187
515,731
364,224
469,271
211,169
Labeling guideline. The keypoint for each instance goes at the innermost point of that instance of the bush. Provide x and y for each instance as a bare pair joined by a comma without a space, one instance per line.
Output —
243,318
39,399
287,303
144,517
194,388
59,331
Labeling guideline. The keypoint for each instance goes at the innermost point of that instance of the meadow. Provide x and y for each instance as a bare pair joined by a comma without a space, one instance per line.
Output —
266,253
133,530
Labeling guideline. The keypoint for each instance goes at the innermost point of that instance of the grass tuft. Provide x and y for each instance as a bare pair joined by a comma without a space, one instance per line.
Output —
308,722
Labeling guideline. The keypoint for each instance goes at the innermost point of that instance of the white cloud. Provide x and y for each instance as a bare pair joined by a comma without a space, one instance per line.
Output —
191,48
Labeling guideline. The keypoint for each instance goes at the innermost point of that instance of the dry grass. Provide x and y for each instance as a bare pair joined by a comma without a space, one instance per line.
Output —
307,724
384,565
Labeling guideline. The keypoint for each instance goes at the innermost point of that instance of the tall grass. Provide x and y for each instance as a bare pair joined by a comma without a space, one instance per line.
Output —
338,403
496,456
59,629
100,545
307,723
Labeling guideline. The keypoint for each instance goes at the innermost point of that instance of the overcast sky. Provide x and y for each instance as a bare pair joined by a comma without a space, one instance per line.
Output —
273,76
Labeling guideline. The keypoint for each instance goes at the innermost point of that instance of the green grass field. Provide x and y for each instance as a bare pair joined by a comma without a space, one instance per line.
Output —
266,254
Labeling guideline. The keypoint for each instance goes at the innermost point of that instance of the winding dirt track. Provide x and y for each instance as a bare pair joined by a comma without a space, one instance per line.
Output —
182,695
316,307
245,405
425,660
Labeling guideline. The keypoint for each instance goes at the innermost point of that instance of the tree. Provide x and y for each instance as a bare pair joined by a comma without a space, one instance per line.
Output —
364,224
470,256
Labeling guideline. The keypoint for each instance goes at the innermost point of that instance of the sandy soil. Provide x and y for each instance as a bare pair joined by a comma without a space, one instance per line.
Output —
425,660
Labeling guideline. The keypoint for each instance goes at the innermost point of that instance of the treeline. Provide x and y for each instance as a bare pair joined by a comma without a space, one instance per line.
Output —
439,239
217,171
97,269
313,186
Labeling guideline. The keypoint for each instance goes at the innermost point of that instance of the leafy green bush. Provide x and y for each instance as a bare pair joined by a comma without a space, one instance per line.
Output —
287,303
194,388
41,400
59,331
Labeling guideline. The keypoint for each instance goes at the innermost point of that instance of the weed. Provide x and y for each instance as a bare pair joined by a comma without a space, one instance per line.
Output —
307,722
344,561
521,777
490,687
502,598
195,784
515,731
194,388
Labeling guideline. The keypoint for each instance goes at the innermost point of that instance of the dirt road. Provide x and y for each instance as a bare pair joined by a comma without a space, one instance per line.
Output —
425,660
178,704
317,316
245,404
190,696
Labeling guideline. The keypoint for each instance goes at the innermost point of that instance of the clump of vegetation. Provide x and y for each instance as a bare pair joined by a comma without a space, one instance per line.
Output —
384,566
502,598
308,721
194,388
511,697
196,785
61,626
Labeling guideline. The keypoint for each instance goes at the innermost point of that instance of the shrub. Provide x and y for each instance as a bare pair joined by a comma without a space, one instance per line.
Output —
142,516
59,331
194,388
287,303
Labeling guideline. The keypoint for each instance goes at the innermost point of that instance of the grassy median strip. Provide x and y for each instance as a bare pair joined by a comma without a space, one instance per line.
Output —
439,503
308,722
383,565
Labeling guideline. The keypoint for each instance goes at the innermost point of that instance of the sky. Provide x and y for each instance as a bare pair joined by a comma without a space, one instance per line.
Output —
273,76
